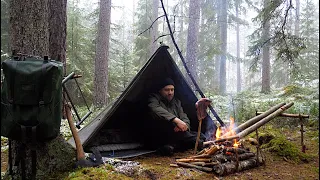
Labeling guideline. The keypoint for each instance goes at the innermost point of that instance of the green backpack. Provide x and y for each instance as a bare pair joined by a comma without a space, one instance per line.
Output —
31,98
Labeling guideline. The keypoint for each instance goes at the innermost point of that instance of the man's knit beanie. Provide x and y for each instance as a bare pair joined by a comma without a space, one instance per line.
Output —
165,82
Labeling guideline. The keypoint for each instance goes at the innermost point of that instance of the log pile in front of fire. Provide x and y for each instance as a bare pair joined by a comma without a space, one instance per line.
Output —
222,158
227,153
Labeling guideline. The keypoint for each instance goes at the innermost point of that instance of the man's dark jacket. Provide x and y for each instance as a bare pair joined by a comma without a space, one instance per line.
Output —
166,110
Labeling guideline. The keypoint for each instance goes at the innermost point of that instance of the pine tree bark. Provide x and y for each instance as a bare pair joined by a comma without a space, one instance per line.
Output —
266,56
192,40
223,57
102,55
29,34
238,50
58,30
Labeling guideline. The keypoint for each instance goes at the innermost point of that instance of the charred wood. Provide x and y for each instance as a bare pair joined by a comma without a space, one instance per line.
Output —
233,150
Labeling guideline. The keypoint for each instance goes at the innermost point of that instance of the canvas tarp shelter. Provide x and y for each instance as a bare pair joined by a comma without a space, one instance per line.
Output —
122,124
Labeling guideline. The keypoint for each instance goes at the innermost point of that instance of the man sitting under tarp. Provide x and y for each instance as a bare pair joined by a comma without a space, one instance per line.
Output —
169,126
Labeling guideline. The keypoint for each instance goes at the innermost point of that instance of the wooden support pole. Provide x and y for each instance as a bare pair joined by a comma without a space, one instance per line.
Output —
257,146
289,115
253,120
303,147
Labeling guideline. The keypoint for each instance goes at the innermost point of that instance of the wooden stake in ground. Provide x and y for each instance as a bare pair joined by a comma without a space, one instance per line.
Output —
201,106
198,136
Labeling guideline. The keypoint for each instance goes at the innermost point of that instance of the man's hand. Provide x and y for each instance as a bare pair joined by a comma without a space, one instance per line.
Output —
180,125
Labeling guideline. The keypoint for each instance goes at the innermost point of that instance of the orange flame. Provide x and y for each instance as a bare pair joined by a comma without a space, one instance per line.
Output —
218,133
236,144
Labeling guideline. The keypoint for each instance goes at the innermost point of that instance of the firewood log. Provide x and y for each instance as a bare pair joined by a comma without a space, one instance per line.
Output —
204,163
206,169
233,150
231,167
193,160
213,149
199,156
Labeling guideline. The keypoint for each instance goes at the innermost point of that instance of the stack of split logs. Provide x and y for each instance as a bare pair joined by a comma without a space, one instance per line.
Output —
226,154
222,159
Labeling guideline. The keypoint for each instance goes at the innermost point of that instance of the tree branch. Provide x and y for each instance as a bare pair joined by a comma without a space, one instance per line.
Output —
151,24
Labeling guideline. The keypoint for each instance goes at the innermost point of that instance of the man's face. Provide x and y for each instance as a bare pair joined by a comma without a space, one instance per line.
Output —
167,92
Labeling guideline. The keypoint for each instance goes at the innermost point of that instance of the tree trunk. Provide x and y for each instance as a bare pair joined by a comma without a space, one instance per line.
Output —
238,50
29,34
266,55
154,28
223,57
102,55
58,31
192,40
217,56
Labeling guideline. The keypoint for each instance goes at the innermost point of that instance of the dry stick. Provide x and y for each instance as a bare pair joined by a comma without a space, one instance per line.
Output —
186,67
257,125
206,169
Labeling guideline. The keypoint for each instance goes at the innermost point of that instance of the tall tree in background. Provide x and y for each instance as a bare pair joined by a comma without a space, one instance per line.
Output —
223,57
192,40
238,48
102,55
29,28
308,61
297,18
265,86
142,41
154,28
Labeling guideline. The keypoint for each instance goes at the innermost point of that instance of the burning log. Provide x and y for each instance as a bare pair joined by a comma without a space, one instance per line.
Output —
232,167
206,169
256,125
213,149
233,150
253,120
193,160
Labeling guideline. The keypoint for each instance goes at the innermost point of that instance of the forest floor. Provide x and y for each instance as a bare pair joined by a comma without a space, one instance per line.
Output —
157,167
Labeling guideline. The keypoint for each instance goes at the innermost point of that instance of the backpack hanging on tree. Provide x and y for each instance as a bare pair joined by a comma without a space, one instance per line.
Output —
31,100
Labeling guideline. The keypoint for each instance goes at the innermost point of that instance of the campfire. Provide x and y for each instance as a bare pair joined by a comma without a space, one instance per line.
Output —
227,153
224,157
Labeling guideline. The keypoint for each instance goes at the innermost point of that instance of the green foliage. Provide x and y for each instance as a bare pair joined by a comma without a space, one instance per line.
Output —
284,148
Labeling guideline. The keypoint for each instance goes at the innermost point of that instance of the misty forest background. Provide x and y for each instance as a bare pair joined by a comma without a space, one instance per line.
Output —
246,55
